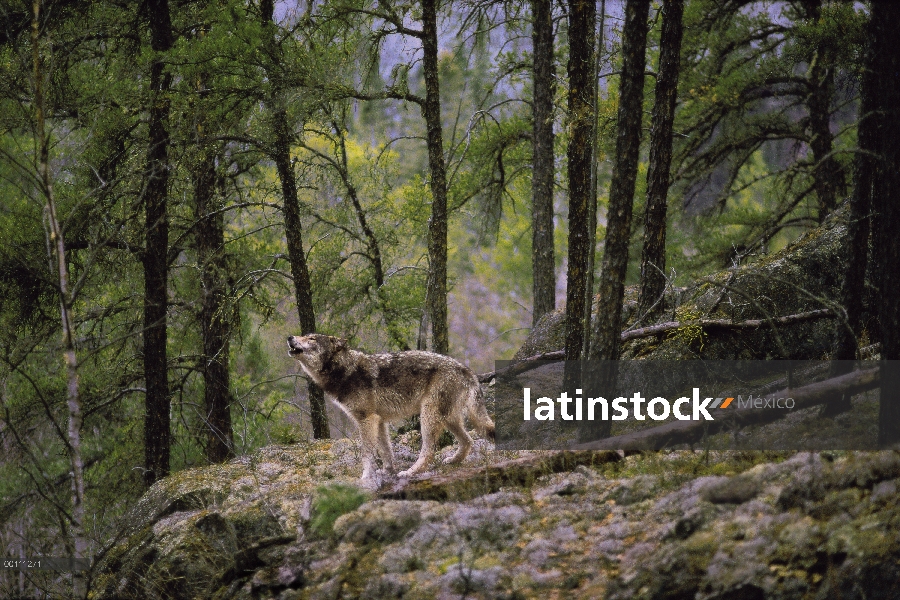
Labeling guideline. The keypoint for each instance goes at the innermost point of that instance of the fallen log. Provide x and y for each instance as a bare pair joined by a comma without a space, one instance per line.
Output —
533,362
689,432
464,484
726,323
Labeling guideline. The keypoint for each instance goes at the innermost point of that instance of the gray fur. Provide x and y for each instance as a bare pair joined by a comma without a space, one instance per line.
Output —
375,389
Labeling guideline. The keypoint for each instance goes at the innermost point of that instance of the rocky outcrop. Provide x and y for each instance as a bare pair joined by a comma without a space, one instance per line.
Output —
677,525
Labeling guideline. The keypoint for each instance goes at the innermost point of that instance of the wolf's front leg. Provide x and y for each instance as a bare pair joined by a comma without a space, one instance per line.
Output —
385,452
369,430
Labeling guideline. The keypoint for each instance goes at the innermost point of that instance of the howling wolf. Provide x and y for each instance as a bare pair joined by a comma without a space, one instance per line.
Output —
375,389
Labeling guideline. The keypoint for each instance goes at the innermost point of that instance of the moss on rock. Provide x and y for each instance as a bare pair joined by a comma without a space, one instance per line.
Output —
667,525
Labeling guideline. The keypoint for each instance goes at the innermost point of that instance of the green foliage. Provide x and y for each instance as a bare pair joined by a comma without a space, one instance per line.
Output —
351,184
745,87
742,230
329,503
498,276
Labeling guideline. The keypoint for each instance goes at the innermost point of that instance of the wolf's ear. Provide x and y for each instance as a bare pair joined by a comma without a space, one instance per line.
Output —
339,343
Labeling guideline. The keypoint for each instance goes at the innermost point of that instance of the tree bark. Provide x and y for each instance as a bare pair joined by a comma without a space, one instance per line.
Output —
297,258
827,176
157,436
56,247
543,262
582,19
886,19
653,257
592,197
214,321
606,341
281,156
865,169
436,292
858,230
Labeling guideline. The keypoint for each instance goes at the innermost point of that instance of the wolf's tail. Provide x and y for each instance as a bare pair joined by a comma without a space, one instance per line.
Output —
479,416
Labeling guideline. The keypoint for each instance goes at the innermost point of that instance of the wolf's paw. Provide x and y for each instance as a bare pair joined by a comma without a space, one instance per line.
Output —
371,484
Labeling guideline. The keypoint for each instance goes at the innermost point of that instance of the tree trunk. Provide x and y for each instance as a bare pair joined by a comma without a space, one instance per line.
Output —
211,259
827,176
859,227
592,197
281,156
886,17
653,258
621,194
582,22
214,318
297,257
56,247
157,436
436,292
543,263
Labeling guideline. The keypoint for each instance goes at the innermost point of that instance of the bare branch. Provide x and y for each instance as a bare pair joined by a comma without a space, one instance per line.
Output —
533,362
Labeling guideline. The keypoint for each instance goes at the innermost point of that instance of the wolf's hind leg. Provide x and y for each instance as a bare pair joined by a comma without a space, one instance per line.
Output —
430,434
458,429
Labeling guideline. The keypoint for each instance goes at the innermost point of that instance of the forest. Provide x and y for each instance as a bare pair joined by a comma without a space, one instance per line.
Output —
184,183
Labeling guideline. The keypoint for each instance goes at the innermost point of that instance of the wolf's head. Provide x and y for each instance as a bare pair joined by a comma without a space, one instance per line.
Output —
315,352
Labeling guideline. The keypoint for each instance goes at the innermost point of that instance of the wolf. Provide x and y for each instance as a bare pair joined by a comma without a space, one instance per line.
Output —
376,389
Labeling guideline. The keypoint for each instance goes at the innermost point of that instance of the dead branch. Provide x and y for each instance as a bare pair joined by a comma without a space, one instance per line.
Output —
727,323
464,484
526,364
533,362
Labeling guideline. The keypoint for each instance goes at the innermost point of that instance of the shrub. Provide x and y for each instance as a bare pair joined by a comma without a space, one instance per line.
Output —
330,502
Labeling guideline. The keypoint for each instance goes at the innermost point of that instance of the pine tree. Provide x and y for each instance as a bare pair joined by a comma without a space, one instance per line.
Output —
157,433
653,258
542,261
605,345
